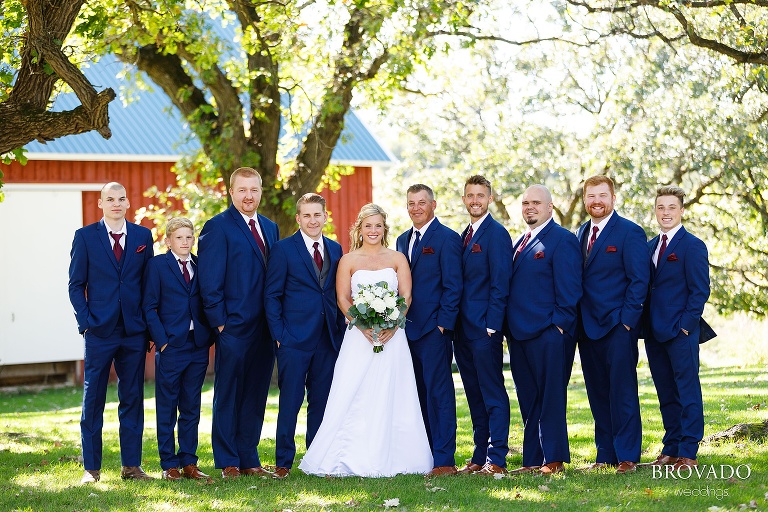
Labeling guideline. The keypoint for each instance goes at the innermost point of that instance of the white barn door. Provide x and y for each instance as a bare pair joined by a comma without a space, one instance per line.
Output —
37,224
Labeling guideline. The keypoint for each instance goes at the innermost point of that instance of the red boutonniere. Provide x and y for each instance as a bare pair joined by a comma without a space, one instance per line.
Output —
611,248
141,248
672,257
427,250
539,255
476,248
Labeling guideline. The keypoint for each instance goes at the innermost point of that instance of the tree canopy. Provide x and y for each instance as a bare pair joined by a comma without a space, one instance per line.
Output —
643,112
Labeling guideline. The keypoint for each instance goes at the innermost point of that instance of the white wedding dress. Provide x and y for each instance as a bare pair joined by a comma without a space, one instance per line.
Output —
372,424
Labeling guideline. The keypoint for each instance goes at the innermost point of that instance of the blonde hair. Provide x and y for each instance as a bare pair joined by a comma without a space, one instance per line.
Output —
368,210
245,172
178,223
671,190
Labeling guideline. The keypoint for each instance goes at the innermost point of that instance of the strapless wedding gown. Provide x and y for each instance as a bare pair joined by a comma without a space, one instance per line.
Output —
372,424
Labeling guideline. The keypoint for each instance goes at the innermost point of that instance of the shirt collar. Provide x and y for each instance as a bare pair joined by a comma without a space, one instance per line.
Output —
671,233
476,225
423,229
535,232
177,257
311,243
600,225
123,230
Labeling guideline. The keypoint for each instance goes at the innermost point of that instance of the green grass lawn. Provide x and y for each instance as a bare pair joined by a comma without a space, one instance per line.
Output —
40,446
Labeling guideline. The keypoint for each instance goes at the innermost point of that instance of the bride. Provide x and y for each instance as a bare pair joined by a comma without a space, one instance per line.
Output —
372,424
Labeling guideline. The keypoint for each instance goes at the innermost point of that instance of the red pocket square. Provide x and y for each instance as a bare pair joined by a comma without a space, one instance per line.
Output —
476,248
539,255
141,248
611,248
672,257
427,250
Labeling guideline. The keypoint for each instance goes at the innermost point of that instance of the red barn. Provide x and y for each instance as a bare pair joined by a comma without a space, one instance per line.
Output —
57,191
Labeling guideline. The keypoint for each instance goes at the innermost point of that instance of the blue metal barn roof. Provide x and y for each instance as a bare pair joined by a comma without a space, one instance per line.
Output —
148,128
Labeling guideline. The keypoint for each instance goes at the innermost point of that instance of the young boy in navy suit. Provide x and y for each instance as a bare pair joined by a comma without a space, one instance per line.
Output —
177,325
679,289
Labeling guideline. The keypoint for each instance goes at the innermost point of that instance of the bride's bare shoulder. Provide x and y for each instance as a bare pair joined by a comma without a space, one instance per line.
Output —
396,258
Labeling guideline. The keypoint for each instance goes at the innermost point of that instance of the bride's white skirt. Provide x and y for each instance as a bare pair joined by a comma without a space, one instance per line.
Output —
372,424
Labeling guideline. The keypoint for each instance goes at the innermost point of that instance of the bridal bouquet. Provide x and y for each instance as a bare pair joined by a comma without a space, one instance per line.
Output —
376,307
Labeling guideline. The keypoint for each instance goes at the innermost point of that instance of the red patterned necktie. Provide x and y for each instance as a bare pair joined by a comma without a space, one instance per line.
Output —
662,248
256,235
117,248
317,257
185,271
592,239
468,237
522,245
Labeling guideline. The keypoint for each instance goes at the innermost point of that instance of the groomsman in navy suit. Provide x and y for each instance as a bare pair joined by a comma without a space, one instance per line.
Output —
679,289
486,267
541,321
434,252
306,324
105,277
177,325
615,284
233,250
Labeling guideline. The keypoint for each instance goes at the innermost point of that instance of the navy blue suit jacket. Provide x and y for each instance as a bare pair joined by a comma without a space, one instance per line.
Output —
615,277
546,284
295,303
487,265
100,288
170,304
233,272
679,286
437,282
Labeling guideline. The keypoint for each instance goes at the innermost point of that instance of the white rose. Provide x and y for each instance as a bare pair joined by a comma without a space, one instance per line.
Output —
378,305
390,301
395,314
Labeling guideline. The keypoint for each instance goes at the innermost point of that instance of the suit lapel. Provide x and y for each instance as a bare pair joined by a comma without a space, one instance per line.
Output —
424,240
174,266
298,241
476,235
670,248
131,244
240,222
102,232
601,240
531,244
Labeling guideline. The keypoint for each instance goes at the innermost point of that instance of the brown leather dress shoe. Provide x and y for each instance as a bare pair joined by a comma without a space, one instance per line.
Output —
257,471
281,473
171,474
626,466
685,462
193,472
524,469
230,472
134,473
90,476
443,470
492,469
661,460
469,468
552,468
